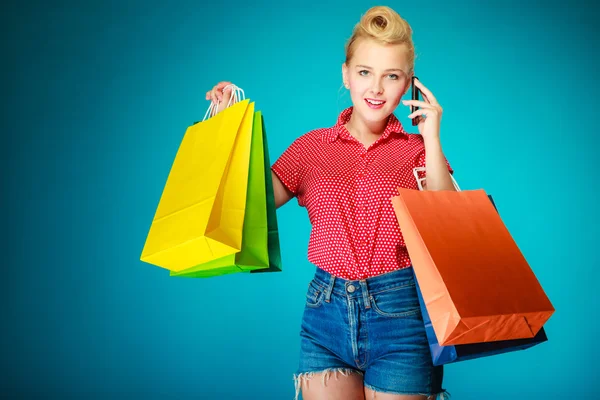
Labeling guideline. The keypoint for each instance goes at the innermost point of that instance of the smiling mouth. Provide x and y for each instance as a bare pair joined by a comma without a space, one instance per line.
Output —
374,103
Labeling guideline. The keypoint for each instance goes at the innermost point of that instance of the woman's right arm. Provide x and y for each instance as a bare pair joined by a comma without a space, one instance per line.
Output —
282,194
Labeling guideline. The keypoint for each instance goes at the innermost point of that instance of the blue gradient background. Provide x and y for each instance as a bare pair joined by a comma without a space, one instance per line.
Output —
97,97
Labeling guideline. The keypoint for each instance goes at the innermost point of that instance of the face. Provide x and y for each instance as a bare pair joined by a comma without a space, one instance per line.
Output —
378,78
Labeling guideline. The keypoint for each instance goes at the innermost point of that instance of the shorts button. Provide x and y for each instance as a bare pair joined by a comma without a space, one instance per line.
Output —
351,289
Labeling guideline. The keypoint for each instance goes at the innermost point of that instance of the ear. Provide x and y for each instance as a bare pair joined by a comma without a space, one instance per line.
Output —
345,75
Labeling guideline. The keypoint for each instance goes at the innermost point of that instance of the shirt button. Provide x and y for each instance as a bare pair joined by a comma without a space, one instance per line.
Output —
363,155
351,289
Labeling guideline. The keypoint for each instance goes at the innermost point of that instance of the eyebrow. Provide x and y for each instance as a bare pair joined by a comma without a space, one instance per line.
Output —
387,70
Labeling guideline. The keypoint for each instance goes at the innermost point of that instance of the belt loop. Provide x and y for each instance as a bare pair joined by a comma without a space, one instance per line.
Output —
365,290
329,289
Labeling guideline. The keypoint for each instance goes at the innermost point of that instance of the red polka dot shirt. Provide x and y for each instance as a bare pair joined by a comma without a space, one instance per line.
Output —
347,191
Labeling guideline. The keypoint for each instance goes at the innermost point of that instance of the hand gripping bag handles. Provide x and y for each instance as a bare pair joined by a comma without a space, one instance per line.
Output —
476,285
217,213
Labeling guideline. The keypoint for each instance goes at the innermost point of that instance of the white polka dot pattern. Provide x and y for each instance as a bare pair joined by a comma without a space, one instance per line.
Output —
347,192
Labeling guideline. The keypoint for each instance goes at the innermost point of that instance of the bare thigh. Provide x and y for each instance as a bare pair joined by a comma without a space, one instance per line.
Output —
333,385
371,395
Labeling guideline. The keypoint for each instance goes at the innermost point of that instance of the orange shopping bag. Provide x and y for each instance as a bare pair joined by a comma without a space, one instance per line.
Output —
475,282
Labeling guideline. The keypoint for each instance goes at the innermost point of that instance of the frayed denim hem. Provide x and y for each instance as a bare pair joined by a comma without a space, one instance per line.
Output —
443,395
299,378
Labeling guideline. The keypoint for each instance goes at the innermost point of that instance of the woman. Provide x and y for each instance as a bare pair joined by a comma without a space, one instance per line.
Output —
362,321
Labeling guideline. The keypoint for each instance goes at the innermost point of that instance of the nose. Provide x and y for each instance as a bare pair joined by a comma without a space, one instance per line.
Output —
377,88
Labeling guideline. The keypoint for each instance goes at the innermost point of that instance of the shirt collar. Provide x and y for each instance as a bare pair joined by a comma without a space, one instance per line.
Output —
338,130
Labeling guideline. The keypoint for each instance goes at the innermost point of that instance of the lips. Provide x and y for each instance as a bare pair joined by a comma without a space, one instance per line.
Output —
374,104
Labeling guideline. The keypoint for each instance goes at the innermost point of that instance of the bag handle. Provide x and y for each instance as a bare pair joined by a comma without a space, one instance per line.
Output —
237,96
416,171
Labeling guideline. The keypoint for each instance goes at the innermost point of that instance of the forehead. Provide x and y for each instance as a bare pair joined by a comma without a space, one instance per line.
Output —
380,55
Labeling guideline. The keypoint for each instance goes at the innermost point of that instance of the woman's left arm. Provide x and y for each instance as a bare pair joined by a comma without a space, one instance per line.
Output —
437,174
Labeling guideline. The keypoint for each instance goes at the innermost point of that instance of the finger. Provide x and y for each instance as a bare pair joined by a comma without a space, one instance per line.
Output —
222,85
419,113
214,94
417,103
219,95
213,97
225,93
425,92
227,88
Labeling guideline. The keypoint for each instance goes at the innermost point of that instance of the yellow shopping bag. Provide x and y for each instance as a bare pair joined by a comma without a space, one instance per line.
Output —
260,240
200,215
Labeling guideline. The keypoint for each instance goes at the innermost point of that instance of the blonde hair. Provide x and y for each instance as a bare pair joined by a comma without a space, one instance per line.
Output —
383,25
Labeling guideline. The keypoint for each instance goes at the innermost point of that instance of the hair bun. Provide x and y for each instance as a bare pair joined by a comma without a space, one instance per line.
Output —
385,24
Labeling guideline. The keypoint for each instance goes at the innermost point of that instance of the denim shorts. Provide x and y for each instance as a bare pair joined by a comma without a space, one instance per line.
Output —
372,327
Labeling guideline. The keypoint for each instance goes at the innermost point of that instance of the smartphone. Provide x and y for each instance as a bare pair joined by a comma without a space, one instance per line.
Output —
415,96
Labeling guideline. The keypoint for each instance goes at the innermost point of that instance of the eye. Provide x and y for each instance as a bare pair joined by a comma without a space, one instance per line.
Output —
363,72
393,76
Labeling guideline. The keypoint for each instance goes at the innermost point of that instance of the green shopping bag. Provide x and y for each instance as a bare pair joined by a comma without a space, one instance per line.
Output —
260,251
273,236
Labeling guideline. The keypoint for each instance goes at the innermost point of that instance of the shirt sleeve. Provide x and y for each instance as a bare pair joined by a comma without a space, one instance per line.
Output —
287,167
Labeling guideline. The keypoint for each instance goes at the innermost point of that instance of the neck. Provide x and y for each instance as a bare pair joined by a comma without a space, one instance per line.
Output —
360,128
